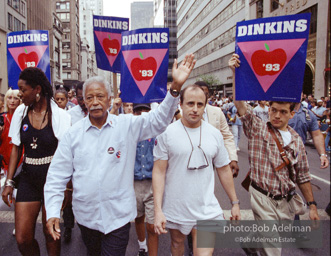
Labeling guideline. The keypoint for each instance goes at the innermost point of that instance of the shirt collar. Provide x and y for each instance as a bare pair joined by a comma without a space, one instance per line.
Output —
88,124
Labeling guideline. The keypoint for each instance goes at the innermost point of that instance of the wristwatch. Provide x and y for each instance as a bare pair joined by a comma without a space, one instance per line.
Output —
174,93
235,202
324,155
311,202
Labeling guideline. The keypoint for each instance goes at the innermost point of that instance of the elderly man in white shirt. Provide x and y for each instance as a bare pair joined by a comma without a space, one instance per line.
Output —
98,154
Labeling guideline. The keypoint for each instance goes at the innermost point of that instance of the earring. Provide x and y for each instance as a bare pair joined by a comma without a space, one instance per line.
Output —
37,97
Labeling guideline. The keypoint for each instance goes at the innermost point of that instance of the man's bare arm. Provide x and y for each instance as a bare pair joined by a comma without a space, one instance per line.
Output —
226,179
158,182
307,192
319,144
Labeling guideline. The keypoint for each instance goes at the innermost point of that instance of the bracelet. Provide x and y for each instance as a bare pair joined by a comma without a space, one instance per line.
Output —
324,155
311,202
235,202
10,183
69,189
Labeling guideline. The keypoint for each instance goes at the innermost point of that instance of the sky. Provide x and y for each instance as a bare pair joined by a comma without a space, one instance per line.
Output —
118,8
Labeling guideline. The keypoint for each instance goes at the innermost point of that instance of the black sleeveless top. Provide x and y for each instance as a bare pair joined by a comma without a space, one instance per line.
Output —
37,143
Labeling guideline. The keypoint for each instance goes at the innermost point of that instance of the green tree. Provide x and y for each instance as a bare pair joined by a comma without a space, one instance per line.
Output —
211,80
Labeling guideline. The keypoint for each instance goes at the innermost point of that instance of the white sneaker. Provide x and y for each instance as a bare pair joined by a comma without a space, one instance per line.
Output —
14,232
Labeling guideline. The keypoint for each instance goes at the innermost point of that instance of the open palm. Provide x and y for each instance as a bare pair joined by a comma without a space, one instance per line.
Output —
181,73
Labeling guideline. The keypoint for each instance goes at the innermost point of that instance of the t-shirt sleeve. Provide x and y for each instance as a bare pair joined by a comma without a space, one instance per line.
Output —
222,157
313,124
160,151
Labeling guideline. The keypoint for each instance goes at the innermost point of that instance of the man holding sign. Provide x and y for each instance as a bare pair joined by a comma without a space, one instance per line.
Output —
98,154
272,181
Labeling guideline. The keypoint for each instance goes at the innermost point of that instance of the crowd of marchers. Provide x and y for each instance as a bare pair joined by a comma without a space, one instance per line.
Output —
105,163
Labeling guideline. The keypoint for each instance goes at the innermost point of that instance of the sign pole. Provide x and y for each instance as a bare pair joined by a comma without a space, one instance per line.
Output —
115,85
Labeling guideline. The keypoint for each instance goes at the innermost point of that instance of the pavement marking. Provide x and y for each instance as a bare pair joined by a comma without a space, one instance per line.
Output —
320,179
9,216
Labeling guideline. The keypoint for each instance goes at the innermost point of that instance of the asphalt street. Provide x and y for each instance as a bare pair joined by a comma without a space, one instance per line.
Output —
321,187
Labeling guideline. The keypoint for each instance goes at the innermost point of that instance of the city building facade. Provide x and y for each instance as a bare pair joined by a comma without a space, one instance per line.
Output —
141,15
68,12
165,16
13,17
55,39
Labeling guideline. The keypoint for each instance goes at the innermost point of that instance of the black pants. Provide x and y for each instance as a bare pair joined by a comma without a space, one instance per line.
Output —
111,244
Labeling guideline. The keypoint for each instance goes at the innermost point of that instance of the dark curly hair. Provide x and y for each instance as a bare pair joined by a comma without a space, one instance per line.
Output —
34,77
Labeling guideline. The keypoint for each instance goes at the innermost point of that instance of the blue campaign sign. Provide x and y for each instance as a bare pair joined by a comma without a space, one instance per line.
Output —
27,48
145,57
272,52
107,41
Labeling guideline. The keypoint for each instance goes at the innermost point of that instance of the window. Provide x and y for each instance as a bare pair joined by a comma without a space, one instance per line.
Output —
23,26
274,5
68,5
62,6
10,2
17,25
16,4
10,21
22,8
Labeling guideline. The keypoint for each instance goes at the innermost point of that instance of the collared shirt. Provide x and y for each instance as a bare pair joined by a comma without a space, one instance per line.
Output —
144,160
100,163
264,156
61,122
319,111
302,125
205,115
76,114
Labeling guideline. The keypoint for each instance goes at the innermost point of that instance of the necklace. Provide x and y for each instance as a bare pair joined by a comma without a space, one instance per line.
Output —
41,112
34,145
190,137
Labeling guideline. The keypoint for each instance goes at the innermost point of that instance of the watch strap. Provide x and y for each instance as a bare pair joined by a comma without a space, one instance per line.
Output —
174,93
311,202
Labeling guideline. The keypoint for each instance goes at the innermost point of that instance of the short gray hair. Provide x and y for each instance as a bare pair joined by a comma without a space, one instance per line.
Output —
100,80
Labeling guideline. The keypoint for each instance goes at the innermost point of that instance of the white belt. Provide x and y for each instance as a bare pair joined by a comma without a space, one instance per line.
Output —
38,161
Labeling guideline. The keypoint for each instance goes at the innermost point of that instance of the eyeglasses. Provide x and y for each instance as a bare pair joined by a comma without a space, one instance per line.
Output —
202,166
197,159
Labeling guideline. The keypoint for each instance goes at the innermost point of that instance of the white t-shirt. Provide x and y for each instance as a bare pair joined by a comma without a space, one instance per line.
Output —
189,194
261,112
286,135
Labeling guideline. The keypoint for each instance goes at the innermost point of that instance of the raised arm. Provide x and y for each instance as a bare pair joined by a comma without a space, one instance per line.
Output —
234,63
181,73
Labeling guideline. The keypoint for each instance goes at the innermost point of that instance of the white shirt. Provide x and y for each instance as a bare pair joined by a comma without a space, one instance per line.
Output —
262,113
189,194
76,114
61,122
205,115
286,136
100,163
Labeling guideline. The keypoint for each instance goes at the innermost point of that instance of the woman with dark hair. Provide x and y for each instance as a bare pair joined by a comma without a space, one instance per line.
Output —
36,126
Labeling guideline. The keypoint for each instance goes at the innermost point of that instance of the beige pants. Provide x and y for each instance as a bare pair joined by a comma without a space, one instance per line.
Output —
265,208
